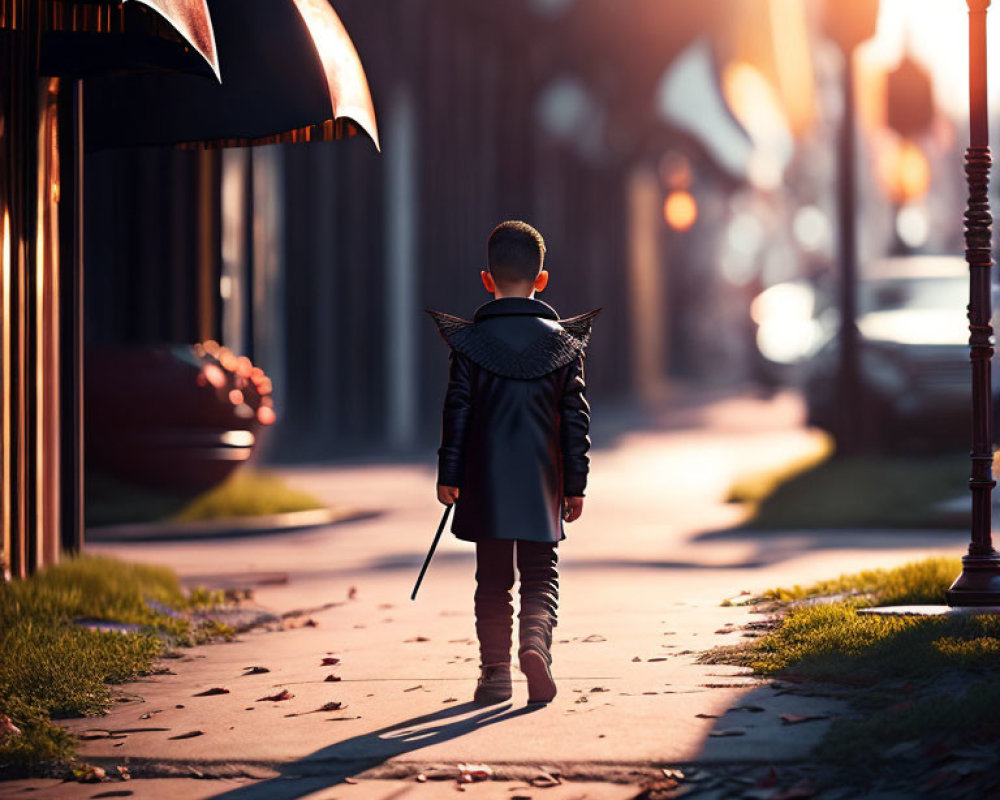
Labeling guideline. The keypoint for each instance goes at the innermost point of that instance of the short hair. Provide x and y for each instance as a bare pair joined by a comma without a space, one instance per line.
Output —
516,252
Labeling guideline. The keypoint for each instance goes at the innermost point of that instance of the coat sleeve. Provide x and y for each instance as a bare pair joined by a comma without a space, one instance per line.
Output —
574,431
457,410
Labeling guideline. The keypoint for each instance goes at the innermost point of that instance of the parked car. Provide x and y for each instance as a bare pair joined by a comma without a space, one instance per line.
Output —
178,419
913,352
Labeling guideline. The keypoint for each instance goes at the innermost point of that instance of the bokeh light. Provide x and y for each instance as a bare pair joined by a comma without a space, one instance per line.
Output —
680,210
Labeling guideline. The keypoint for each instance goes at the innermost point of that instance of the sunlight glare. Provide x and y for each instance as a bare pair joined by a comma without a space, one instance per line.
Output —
936,32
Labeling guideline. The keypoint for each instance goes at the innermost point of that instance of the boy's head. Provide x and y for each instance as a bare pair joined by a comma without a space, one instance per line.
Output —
515,254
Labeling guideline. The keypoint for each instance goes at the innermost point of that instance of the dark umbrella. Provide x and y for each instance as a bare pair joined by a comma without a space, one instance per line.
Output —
77,38
290,73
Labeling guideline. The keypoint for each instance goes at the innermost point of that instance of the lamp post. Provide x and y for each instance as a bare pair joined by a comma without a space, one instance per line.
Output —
979,583
849,23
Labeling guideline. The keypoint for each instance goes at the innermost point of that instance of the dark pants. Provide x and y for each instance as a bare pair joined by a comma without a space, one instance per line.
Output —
536,565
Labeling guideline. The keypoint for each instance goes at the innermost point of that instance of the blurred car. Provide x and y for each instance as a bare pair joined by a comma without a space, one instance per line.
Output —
913,353
179,419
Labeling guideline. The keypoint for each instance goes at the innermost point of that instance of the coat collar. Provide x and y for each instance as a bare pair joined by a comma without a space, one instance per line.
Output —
515,306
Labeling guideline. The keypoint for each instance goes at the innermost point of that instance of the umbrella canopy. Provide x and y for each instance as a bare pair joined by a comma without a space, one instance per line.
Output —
99,37
289,73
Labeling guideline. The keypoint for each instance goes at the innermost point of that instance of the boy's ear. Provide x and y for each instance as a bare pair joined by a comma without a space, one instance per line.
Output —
541,281
488,281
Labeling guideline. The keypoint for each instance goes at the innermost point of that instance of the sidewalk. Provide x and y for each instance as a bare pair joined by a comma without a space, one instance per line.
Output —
640,598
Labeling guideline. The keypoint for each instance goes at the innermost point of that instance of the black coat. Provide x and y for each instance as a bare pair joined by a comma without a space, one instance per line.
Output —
516,420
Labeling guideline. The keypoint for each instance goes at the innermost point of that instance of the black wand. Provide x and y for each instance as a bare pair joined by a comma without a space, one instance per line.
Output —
430,553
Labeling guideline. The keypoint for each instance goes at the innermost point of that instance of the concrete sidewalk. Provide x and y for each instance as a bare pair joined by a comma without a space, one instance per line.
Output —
641,588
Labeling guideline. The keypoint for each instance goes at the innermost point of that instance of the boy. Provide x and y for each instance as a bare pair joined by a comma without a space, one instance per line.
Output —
513,454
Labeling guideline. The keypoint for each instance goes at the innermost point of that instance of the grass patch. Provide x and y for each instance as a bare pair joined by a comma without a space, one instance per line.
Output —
854,493
963,718
755,487
915,679
246,493
921,582
51,667
831,642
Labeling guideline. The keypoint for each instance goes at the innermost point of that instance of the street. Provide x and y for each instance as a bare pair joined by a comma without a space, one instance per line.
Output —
642,580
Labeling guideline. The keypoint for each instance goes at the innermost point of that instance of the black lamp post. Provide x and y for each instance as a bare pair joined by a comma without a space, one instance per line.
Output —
849,23
979,583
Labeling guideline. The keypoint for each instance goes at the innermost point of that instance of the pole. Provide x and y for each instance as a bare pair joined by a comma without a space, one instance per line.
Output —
850,434
979,583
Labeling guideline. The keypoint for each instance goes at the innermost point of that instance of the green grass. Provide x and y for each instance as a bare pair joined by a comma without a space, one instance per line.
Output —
755,487
829,642
916,583
50,667
246,493
823,492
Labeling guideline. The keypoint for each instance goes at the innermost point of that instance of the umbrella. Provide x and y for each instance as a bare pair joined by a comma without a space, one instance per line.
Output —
78,38
289,70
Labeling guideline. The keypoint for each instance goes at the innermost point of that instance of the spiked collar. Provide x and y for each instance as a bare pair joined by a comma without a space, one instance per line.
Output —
549,352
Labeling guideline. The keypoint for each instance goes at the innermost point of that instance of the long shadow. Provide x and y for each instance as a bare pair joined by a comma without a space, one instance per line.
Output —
330,765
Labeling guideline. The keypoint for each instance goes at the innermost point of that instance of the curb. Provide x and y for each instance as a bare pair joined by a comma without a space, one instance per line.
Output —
225,528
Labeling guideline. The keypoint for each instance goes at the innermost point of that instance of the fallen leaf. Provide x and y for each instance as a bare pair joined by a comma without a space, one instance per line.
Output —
417,639
673,774
7,728
255,670
798,719
636,658
474,772
707,716
329,661
594,637
352,593
213,691
545,781
414,688
658,658
420,778
124,773
657,789
331,678
310,623
599,689
334,705
188,735
89,774
284,694
450,700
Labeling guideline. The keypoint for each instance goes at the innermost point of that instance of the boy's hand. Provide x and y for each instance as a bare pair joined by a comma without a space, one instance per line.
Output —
572,508
447,494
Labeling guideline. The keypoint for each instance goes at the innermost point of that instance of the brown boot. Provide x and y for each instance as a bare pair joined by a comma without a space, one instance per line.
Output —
494,684
541,684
